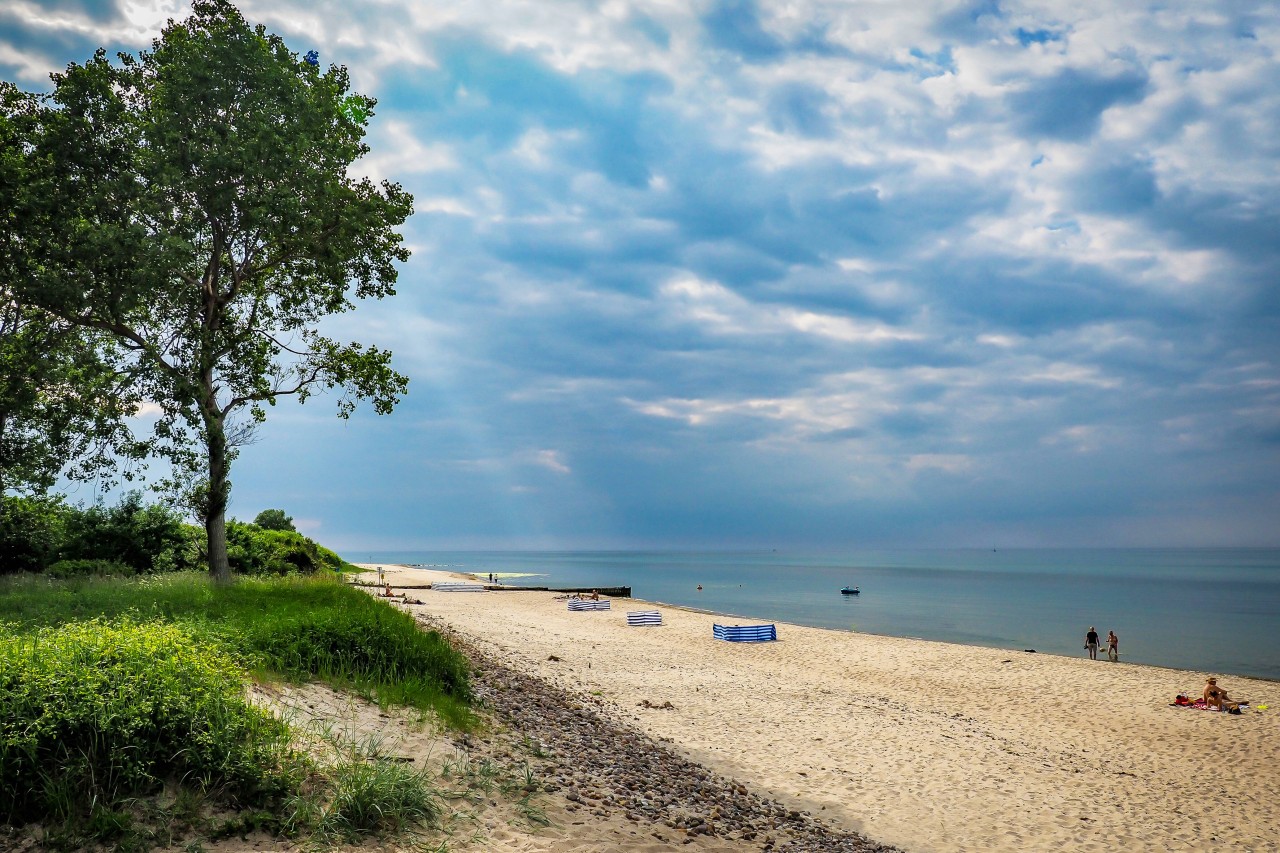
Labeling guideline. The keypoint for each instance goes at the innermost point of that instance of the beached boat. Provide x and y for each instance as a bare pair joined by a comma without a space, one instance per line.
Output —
849,590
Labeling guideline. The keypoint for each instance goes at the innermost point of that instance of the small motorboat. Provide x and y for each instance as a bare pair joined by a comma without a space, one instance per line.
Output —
849,590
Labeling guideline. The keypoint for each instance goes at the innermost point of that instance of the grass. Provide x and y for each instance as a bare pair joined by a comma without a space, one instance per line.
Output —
100,712
296,628
114,688
364,793
474,781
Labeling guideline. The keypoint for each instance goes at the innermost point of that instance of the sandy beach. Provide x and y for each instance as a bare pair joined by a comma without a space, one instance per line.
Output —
923,745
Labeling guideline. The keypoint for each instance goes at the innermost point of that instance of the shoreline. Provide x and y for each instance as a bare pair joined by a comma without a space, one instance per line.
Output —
1122,662
726,615
1177,608
914,743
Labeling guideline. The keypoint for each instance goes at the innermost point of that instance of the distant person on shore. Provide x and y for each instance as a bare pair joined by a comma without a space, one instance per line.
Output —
1113,647
1091,642
595,595
386,590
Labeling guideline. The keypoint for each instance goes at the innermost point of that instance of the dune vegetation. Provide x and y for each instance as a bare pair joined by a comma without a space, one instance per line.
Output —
128,717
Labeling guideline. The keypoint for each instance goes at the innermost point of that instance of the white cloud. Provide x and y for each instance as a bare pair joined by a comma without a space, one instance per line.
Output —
552,460
1079,438
722,312
1078,374
441,204
843,328
33,69
403,152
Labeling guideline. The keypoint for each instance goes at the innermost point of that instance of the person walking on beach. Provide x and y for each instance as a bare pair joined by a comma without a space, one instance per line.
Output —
1113,647
1091,642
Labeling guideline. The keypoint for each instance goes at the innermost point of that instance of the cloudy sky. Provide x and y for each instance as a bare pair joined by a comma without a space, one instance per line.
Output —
724,273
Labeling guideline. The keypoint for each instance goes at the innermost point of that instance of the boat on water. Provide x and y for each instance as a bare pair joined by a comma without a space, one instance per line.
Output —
849,590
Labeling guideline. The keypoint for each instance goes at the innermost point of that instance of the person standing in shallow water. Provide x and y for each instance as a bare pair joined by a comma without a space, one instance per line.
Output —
1091,642
1113,647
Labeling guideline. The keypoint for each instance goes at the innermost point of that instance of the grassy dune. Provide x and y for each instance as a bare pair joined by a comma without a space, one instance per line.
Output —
116,689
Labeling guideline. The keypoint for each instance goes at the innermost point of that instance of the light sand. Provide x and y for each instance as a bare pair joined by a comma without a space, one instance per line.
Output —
474,820
470,824
928,746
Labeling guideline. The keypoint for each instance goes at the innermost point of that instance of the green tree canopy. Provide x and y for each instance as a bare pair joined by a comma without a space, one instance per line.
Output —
195,202
62,407
274,519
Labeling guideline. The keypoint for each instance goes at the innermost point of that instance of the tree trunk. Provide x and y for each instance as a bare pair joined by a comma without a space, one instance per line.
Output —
215,511
215,527
4,426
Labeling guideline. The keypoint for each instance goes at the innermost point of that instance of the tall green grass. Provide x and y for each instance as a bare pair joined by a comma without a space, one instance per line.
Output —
298,628
99,711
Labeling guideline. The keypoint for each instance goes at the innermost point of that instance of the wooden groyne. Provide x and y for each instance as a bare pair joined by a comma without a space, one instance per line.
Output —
606,591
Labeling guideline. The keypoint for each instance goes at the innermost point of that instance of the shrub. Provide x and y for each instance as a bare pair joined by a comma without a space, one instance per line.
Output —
98,711
132,533
31,533
330,560
187,553
252,550
66,569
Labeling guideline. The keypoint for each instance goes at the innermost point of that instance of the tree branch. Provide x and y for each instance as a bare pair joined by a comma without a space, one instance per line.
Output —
130,336
260,397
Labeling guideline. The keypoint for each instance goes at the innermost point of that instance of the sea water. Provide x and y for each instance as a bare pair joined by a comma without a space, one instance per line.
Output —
1210,610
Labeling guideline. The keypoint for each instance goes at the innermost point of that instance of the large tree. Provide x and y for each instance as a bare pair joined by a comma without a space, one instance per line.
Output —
62,406
198,206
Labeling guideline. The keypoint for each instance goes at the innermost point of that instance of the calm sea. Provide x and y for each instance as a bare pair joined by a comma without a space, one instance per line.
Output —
1216,610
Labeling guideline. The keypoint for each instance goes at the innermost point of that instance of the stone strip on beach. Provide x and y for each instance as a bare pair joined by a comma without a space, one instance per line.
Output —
602,767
